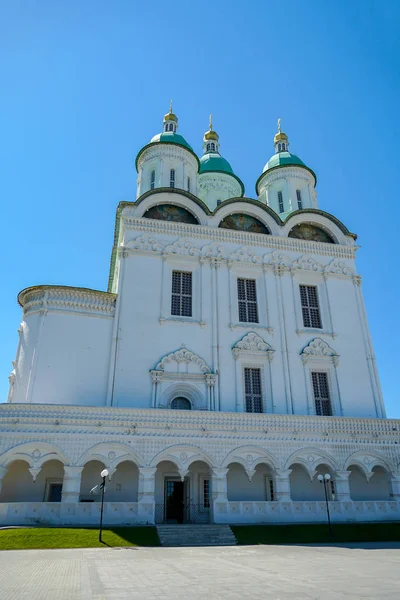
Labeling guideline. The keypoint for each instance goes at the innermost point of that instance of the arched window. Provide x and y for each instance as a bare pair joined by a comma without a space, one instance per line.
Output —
283,147
219,202
188,184
279,147
172,178
152,180
208,147
181,404
212,147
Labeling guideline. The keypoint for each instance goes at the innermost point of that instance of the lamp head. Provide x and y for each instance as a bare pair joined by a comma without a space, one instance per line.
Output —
320,478
104,473
327,476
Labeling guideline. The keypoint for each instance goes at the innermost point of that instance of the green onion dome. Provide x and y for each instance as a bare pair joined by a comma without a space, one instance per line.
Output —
214,162
170,137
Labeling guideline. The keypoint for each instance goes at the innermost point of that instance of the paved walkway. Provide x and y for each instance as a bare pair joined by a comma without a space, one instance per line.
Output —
246,572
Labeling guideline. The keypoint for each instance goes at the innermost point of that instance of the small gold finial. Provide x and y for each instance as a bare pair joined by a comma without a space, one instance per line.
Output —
279,125
210,122
170,107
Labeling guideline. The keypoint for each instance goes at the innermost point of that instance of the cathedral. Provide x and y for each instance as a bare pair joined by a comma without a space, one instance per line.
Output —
227,375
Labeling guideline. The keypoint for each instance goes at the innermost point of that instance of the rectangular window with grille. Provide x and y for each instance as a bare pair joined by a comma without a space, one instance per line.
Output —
152,180
247,300
206,493
299,200
280,202
188,184
269,489
172,178
322,397
252,390
310,306
181,299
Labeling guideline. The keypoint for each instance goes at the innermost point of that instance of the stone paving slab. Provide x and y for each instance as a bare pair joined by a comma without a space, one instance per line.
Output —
350,572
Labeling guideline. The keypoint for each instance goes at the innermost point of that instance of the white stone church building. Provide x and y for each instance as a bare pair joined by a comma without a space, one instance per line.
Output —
228,364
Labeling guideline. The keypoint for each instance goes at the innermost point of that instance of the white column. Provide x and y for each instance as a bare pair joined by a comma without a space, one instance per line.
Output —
279,271
396,487
282,485
342,488
71,484
3,473
219,489
146,494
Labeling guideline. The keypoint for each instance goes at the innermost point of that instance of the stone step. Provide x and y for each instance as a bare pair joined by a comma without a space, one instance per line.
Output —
196,535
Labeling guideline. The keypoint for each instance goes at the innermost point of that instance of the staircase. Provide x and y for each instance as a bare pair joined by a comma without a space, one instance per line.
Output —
196,535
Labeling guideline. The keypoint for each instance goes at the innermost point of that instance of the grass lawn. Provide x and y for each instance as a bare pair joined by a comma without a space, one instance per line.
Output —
316,534
49,537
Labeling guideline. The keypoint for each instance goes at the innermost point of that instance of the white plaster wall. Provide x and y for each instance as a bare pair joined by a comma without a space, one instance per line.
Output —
65,359
161,158
377,488
288,180
217,186
123,486
18,484
241,489
91,477
214,329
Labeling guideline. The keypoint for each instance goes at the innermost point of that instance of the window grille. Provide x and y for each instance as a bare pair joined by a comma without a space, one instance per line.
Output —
219,202
212,147
181,404
181,300
299,200
270,492
280,202
188,184
208,147
172,178
247,300
310,306
252,390
206,493
283,147
279,147
321,394
152,180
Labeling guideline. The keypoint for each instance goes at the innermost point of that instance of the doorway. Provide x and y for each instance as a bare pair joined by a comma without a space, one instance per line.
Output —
174,500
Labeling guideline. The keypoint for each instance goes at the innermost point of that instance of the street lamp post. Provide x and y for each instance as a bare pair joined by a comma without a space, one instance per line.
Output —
325,480
103,474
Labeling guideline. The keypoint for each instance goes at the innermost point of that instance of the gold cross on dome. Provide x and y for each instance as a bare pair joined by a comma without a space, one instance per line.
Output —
210,122
279,125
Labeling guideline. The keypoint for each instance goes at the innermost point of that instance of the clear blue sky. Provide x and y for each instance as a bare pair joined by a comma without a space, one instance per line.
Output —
85,84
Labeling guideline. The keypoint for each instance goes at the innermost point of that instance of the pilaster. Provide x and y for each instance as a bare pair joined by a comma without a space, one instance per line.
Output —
342,488
395,487
71,484
3,473
146,494
282,485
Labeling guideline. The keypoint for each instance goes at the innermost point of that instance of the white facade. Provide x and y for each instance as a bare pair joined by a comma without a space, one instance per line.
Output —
98,374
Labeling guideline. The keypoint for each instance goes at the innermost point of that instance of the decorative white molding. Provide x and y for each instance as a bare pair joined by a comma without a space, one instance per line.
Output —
183,356
307,263
277,243
182,247
70,300
213,251
252,343
245,255
146,243
338,267
317,348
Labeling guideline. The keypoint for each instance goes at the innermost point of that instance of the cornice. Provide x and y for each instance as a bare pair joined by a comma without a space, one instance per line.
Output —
231,236
53,418
67,299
